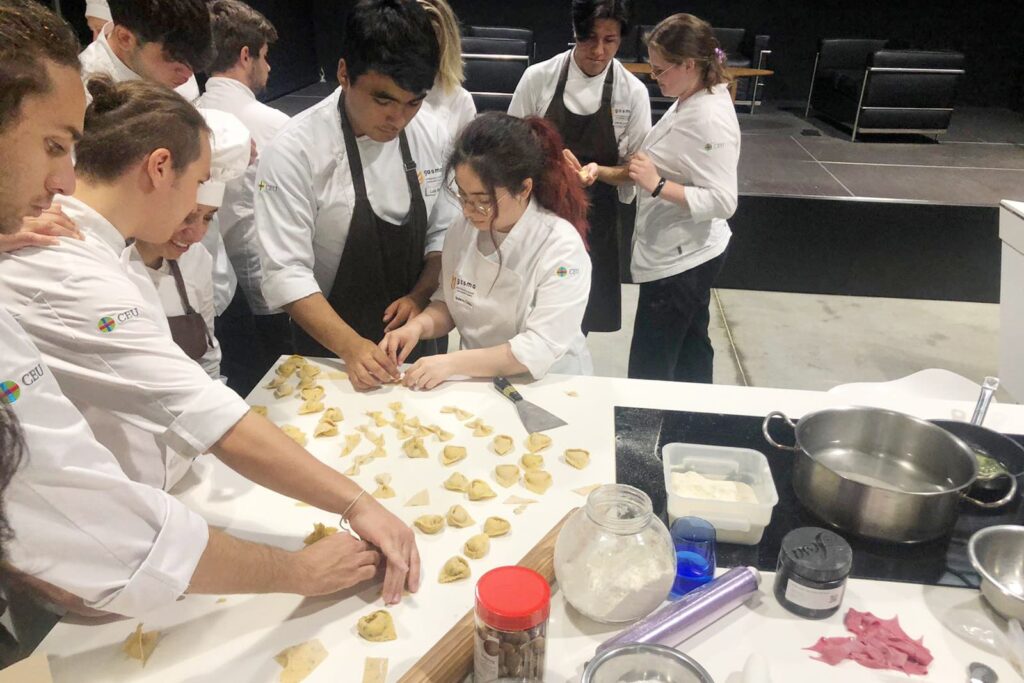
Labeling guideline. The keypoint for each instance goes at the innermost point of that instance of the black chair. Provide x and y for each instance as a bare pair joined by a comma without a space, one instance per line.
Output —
861,85
523,34
496,46
492,79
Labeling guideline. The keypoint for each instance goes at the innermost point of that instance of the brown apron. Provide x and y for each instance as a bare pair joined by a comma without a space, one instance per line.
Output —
189,331
381,262
592,139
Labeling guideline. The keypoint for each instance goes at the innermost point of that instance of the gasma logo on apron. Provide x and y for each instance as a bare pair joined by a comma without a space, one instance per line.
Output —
463,291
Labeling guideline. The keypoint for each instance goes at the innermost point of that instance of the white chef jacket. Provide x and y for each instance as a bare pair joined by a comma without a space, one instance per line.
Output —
697,144
196,267
98,58
535,301
97,319
235,236
455,109
631,104
79,522
305,196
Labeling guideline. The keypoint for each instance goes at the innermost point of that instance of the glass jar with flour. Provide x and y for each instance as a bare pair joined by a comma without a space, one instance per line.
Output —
614,560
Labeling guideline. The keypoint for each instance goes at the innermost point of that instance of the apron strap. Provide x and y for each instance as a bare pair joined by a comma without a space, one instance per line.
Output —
355,164
606,95
563,77
179,282
417,206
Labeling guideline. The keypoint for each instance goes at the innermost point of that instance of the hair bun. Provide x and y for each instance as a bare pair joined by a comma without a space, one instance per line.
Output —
105,94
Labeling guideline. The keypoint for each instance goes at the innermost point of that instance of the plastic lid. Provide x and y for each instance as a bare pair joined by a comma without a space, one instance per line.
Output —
512,598
816,554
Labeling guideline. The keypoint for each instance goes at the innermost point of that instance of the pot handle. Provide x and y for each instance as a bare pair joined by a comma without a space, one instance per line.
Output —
769,439
996,503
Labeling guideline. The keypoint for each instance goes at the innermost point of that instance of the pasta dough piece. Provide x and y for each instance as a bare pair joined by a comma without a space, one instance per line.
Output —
424,432
295,361
577,457
276,382
384,489
507,475
502,444
299,661
420,499
474,424
351,443
308,370
537,481
313,393
460,414
352,471
452,454
455,569
396,406
284,370
429,524
333,415
443,436
480,490
311,407
414,448
407,432
572,394
458,517
520,509
140,645
532,461
364,458
377,452
375,670
325,428
283,391
483,430
413,422
537,442
378,418
319,532
519,500
496,526
457,482
377,627
477,546
399,420
260,410
372,436
587,490
295,434
307,383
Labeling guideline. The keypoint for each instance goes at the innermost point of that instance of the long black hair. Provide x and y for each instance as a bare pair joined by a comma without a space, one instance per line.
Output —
12,453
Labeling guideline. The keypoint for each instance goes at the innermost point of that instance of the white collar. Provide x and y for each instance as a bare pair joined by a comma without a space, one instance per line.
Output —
233,83
576,72
92,222
121,70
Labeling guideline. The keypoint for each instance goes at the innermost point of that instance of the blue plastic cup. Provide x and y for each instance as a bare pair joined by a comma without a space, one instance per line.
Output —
694,539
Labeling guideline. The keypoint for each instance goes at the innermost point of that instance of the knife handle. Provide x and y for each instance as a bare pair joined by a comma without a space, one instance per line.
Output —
507,390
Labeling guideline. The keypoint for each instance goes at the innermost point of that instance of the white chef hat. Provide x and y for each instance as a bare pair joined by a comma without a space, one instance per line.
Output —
99,9
231,150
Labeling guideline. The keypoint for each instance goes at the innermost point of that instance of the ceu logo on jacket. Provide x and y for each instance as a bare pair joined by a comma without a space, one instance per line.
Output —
108,323
10,392
566,271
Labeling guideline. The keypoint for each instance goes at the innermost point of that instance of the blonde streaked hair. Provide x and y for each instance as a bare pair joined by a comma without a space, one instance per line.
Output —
450,74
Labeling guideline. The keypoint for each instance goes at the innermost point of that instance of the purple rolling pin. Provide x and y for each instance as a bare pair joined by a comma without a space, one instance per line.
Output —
675,622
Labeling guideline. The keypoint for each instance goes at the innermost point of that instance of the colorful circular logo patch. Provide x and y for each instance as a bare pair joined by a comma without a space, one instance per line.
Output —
9,392
562,271
106,325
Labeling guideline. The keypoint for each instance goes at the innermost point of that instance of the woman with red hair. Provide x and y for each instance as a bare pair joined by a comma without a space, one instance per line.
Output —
515,275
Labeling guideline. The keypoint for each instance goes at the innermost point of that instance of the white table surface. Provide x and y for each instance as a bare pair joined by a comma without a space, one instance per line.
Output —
208,641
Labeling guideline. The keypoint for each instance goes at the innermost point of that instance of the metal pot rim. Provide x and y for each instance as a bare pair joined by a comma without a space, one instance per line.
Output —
972,555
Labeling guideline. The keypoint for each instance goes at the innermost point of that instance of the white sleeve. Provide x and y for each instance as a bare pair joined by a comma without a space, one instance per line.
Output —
79,522
442,214
556,314
466,111
286,212
135,371
522,104
636,132
711,153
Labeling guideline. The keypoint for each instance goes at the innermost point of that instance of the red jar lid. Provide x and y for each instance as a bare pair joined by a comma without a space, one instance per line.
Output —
512,598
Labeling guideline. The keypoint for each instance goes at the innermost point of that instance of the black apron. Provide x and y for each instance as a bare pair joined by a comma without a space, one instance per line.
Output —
189,331
592,139
380,262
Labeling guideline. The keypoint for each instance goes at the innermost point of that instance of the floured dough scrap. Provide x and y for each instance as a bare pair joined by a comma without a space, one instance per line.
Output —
587,490
537,442
480,490
429,524
455,569
299,661
532,461
377,627
458,517
276,382
507,475
483,430
319,531
519,509
140,645
375,670
577,457
537,481
420,499
457,482
572,394
384,489
496,526
452,454
260,410
283,391
313,393
351,443
325,428
311,407
333,415
295,434
395,407
502,444
337,374
477,546
519,500
414,448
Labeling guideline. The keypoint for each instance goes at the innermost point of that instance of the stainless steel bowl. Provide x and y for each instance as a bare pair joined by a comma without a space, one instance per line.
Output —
654,663
997,554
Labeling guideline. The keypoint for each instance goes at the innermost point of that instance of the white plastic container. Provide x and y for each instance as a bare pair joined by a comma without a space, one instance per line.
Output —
741,523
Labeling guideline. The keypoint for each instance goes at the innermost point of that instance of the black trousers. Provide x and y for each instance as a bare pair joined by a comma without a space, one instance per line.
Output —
249,343
670,333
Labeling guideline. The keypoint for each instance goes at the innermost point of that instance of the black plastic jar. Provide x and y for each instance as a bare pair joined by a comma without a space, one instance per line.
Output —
811,576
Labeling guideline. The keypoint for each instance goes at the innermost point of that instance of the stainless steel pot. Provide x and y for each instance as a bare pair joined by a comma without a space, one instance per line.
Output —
881,474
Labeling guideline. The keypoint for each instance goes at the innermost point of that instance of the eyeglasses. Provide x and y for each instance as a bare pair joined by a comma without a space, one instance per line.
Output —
658,73
484,208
